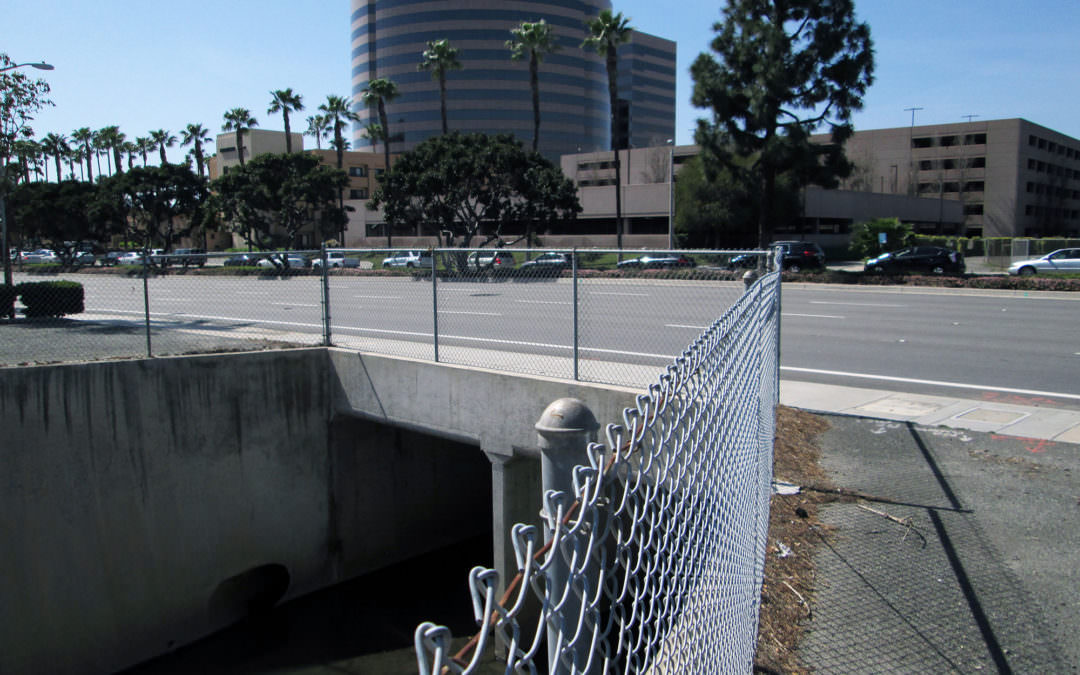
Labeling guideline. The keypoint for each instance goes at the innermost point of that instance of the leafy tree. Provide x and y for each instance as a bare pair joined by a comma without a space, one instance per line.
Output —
274,198
536,40
84,136
162,139
379,92
606,32
468,184
865,237
20,99
783,68
709,213
239,120
58,215
196,135
285,102
318,125
163,202
440,58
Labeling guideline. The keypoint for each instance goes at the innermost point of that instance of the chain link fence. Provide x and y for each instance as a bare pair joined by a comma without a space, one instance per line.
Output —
653,554
598,315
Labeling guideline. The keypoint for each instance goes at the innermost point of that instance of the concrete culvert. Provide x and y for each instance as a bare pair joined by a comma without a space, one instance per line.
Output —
252,592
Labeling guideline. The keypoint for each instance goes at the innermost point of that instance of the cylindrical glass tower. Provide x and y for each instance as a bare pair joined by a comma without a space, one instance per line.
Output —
491,92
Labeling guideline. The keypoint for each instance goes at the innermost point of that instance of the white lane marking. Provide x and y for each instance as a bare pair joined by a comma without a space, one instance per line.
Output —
681,325
813,316
935,383
544,302
446,311
378,297
854,304
636,295
293,304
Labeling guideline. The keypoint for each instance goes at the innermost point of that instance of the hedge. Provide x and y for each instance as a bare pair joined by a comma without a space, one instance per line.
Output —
51,298
7,300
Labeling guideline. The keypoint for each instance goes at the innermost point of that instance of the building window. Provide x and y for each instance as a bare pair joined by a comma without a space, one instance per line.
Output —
379,172
973,209
975,139
925,165
1030,187
358,171
1029,210
977,163
948,164
922,142
360,193
1031,141
974,186
948,141
951,186
1042,143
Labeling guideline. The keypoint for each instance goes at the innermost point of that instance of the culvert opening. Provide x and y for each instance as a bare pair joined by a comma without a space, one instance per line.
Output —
253,592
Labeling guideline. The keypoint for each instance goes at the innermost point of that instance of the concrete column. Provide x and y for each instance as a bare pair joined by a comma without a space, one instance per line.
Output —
515,498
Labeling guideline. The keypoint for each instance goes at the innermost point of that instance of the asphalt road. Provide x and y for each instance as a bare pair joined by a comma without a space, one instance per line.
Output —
926,341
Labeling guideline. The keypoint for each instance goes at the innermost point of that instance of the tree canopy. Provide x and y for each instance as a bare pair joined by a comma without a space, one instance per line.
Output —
164,203
21,98
471,184
782,70
273,198
58,215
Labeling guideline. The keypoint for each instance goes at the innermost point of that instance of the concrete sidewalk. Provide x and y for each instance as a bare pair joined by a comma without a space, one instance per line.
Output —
994,414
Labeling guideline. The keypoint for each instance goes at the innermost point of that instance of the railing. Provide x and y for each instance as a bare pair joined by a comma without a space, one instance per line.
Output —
653,553
590,315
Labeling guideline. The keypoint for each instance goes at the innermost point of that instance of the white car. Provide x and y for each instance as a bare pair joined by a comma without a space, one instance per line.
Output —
408,259
42,255
275,261
130,258
1061,261
336,259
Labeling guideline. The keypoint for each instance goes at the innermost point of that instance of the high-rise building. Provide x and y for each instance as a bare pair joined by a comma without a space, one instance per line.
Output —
491,93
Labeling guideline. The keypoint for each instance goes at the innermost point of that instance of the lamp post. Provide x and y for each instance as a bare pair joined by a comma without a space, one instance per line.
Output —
671,194
3,186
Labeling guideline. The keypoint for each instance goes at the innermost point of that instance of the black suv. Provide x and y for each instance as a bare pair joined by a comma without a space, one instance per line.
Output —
918,259
800,255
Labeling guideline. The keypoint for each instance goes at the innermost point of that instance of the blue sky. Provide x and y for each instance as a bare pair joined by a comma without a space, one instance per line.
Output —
147,65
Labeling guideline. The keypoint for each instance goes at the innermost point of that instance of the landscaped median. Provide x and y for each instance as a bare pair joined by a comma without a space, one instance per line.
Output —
1003,282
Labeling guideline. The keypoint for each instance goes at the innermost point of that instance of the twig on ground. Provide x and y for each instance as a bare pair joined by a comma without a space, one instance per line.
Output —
802,600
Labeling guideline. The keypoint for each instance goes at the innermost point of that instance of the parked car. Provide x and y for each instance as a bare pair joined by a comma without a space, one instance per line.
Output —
408,259
550,263
130,258
658,262
40,256
1061,261
110,258
496,260
746,261
335,259
188,257
279,261
242,260
83,258
919,259
799,255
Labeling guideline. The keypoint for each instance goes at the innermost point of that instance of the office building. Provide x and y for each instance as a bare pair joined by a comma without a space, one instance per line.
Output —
491,93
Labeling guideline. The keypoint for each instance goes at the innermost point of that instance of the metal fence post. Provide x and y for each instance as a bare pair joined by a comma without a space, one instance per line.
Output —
574,277
327,337
564,429
434,303
146,299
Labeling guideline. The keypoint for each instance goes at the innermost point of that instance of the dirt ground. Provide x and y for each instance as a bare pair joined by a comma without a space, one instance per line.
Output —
789,570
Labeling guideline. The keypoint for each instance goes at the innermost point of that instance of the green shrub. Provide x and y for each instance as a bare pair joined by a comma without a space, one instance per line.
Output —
51,298
7,300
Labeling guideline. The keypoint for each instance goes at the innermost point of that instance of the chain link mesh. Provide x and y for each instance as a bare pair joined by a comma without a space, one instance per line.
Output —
662,543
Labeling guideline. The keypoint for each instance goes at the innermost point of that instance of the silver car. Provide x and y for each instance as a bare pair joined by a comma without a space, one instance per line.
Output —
1061,261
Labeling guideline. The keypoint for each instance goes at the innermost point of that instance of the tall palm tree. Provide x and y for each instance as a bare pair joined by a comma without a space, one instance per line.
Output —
606,32
101,147
239,120
162,139
130,149
379,92
55,146
144,145
196,134
115,143
440,58
76,156
536,40
86,137
317,126
285,102
337,113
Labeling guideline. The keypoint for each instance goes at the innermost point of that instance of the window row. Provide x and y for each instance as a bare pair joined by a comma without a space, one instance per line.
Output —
1052,147
1051,212
1052,190
1052,169
950,163
951,186
358,193
362,171
948,141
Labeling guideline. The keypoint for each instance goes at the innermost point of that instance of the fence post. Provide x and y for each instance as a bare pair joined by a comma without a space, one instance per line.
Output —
574,279
325,297
434,303
146,298
563,431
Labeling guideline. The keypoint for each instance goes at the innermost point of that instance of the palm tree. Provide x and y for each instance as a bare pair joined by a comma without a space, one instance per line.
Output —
130,148
440,58
115,140
101,147
196,134
317,126
144,145
76,155
162,139
379,92
285,102
86,137
536,40
239,120
606,32
55,146
337,112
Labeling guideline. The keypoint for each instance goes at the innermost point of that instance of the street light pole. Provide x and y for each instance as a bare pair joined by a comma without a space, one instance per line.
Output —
671,195
3,187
